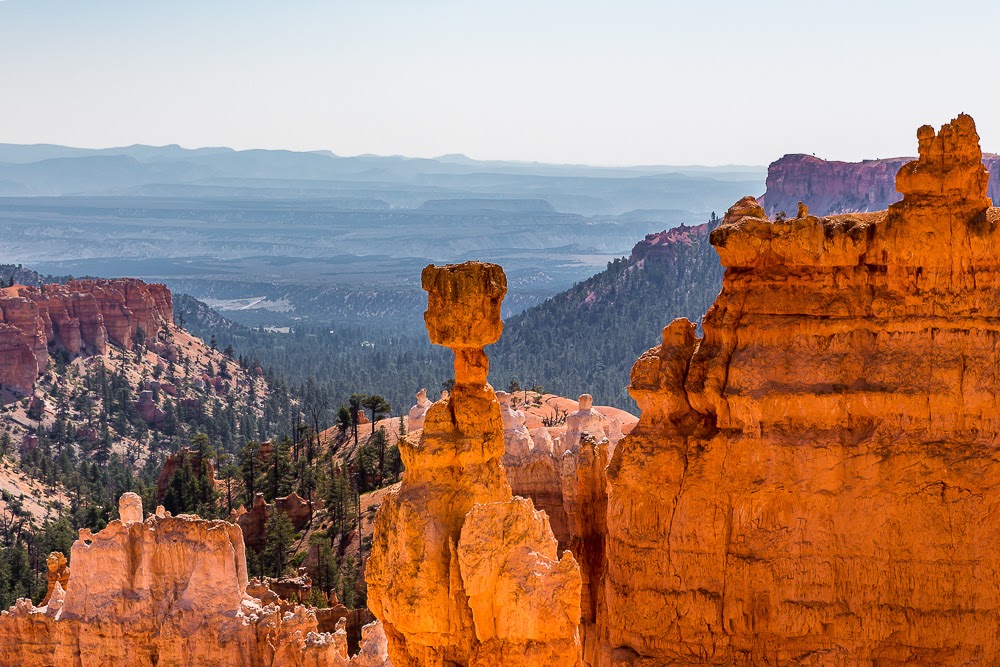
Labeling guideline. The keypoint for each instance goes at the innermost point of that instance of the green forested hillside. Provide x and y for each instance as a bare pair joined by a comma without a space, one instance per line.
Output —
582,340
324,366
587,338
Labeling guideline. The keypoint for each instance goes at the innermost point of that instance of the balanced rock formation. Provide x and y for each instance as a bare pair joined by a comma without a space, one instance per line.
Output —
166,591
814,481
80,317
415,418
461,573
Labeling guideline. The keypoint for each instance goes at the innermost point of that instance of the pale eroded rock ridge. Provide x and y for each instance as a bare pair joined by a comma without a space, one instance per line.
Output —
167,591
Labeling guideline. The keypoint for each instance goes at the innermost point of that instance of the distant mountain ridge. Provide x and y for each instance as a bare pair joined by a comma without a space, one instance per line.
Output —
46,169
829,187
506,205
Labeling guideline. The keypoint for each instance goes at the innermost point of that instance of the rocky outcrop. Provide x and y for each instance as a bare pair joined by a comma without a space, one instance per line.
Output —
184,455
127,306
460,572
23,314
167,591
149,411
814,480
56,574
585,502
415,417
830,187
585,420
667,245
80,317
18,365
517,440
288,589
253,522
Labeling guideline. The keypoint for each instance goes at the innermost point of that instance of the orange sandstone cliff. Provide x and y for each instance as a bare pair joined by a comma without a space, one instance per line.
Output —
461,573
815,481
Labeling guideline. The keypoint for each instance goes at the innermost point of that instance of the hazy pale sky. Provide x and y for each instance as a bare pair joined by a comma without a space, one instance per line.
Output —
586,81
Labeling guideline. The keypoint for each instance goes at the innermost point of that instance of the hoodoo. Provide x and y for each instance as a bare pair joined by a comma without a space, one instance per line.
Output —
815,480
462,573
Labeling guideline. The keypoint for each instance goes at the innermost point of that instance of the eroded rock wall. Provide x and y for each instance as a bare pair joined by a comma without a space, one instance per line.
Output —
815,481
18,365
829,187
79,317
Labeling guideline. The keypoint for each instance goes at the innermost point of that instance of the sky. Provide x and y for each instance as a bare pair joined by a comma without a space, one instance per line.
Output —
620,82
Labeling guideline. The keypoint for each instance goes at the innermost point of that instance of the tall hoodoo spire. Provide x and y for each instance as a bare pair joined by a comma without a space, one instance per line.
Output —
462,573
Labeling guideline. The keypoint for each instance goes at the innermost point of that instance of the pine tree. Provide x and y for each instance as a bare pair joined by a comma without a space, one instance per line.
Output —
250,469
343,419
327,576
355,403
280,536
377,405
279,470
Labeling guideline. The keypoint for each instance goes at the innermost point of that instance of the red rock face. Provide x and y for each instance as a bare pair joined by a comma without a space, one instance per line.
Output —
665,244
22,313
254,520
175,461
814,482
77,323
829,187
119,323
80,317
18,366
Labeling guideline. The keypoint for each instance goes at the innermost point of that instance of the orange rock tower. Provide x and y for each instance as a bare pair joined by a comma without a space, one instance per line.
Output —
815,482
461,573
